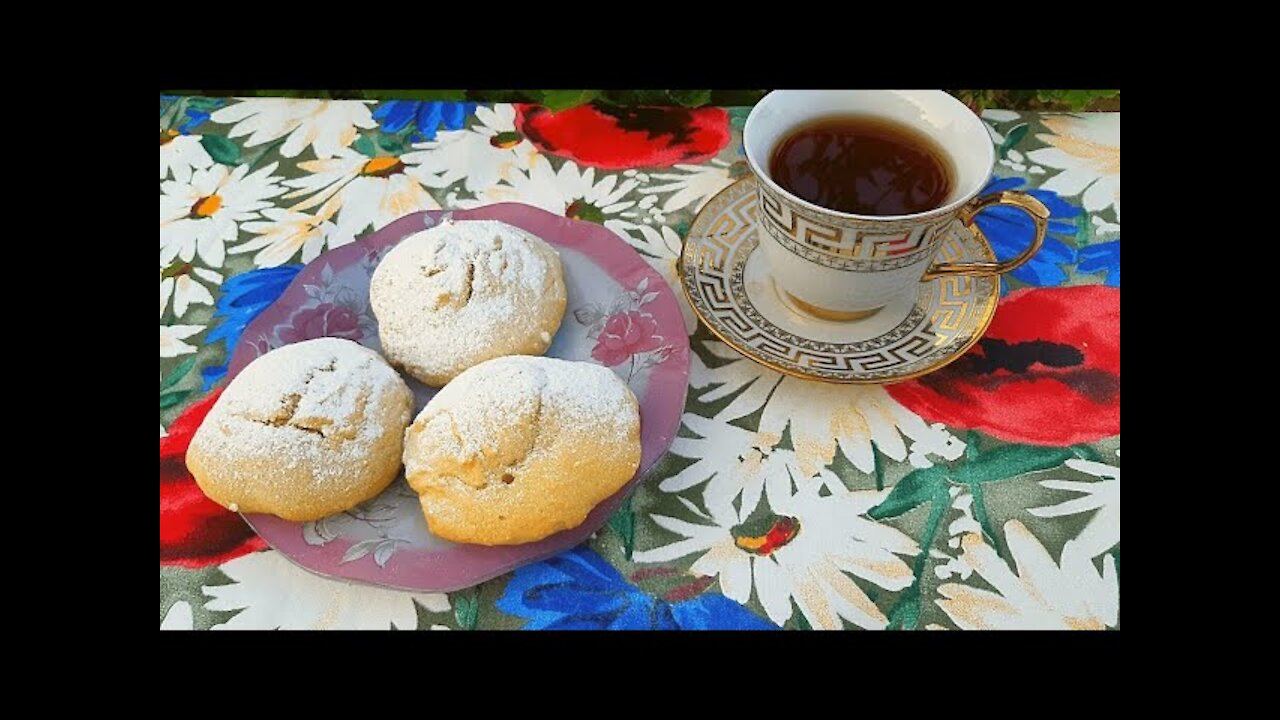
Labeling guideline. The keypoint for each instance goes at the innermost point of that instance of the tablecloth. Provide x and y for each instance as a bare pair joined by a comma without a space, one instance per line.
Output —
983,496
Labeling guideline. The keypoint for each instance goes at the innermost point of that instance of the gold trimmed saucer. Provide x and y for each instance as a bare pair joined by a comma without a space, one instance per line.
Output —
731,290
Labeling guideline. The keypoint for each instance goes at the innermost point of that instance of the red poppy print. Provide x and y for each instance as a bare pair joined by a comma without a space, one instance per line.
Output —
194,530
1047,372
626,334
614,138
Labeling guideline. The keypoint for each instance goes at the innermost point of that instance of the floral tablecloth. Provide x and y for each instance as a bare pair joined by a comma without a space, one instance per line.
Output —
986,495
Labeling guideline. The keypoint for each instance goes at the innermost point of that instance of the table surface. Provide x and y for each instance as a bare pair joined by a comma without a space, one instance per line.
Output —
986,495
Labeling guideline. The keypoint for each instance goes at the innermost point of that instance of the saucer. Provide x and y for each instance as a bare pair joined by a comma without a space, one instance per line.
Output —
730,288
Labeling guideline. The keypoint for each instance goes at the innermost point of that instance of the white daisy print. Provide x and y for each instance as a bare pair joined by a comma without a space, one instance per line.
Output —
480,156
995,117
1043,595
271,593
1000,116
185,285
691,185
655,242
957,529
171,339
201,216
731,461
181,154
823,417
286,232
179,617
569,191
660,247
364,192
1102,227
1103,530
1087,151
326,126
801,551
1017,162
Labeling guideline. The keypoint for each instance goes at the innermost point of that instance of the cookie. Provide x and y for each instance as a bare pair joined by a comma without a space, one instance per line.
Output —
304,431
463,292
518,448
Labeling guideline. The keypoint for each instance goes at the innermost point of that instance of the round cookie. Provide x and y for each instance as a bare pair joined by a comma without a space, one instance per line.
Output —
518,448
304,431
463,292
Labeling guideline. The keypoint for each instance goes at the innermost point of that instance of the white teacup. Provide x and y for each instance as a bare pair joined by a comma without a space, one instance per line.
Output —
841,266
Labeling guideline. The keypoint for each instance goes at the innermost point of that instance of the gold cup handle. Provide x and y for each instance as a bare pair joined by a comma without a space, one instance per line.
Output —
1024,202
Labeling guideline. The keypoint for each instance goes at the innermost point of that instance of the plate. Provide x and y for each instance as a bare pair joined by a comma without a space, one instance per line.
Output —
728,283
385,541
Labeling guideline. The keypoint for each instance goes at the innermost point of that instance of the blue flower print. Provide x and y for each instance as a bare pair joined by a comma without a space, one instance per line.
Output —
578,590
1102,258
244,297
194,114
426,117
195,118
1009,229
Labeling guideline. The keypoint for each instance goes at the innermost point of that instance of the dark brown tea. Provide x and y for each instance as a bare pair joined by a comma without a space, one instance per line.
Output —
862,165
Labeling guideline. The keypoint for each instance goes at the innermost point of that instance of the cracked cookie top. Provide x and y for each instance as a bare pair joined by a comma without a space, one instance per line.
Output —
303,431
463,292
517,448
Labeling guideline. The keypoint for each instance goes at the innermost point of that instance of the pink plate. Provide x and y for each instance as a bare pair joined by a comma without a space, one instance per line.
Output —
385,541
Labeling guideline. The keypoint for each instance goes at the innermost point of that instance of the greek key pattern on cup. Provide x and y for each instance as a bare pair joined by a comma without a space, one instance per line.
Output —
851,246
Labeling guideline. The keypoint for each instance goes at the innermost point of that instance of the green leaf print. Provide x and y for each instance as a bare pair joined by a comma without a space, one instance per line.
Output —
802,623
203,103
1013,138
912,491
391,144
169,399
691,98
556,100
466,607
176,374
623,522
365,146
905,614
221,149
1084,230
1009,461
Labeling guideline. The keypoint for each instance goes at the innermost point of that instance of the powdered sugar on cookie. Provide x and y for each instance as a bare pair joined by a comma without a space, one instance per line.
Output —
460,293
518,447
500,409
298,425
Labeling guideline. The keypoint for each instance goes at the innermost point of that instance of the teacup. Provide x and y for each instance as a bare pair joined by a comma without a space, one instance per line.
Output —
841,266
